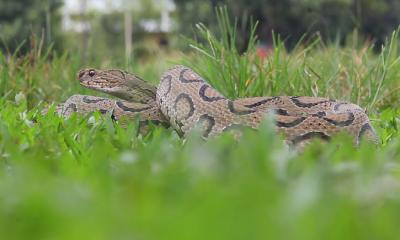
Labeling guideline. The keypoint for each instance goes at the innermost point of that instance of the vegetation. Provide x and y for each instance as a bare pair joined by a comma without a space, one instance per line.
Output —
22,19
87,178
330,19
353,73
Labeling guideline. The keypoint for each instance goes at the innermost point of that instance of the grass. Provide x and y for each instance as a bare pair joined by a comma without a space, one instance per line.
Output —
313,68
88,178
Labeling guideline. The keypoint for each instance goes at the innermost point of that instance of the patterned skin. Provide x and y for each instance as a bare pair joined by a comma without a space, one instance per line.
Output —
185,101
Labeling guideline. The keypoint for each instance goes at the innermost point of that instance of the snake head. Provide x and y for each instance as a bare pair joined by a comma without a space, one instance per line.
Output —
118,83
102,80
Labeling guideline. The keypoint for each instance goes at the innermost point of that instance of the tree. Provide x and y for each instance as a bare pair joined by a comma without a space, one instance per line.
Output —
332,19
21,19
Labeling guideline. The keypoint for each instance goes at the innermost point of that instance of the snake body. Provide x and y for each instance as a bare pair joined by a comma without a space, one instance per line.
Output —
186,101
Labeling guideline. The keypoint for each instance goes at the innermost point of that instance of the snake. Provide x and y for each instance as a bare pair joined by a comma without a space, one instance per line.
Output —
184,101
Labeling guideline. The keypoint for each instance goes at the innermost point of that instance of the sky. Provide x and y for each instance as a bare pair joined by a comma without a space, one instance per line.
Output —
74,6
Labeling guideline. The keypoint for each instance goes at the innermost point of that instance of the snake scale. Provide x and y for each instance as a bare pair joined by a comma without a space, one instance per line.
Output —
184,100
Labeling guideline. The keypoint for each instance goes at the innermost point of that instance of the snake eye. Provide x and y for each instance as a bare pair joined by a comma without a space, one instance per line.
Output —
92,73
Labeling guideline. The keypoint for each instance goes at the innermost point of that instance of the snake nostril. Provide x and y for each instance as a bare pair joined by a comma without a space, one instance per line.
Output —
81,73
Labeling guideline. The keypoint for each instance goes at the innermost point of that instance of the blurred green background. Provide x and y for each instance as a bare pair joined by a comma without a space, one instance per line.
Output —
139,28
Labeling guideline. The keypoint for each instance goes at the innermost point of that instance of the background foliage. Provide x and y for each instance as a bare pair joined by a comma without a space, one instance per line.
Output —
22,19
333,20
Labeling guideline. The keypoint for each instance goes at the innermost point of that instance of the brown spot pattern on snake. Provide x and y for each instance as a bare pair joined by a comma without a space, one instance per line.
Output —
103,111
309,136
232,109
207,122
281,112
183,104
301,104
259,103
144,123
290,124
185,80
71,106
202,94
86,99
345,123
167,78
364,128
319,114
130,109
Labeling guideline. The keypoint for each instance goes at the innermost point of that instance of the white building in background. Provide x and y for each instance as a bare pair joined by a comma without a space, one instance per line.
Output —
75,7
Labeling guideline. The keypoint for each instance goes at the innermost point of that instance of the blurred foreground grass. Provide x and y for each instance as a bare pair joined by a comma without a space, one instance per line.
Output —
88,178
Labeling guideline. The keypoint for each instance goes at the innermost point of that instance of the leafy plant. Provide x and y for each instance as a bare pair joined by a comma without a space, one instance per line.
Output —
313,68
